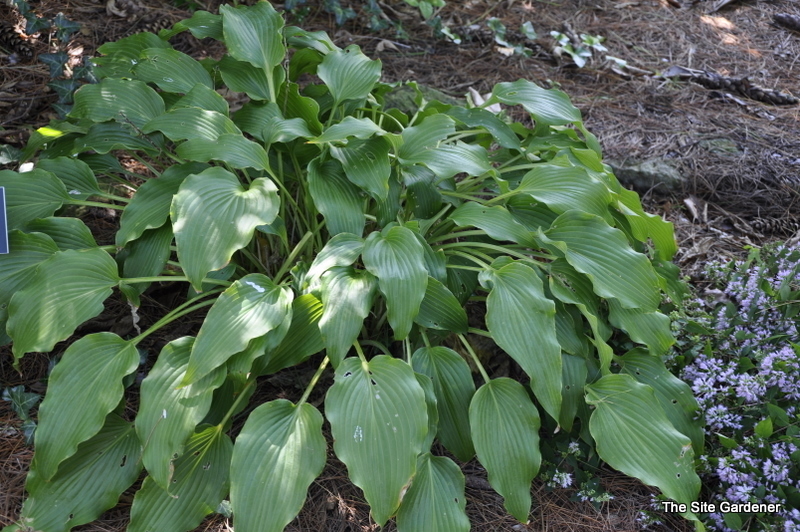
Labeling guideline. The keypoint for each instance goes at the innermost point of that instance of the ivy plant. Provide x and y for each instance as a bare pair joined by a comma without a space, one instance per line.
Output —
320,224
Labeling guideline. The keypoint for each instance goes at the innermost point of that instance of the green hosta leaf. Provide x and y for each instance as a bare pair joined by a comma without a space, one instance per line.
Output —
395,257
302,340
68,289
441,310
674,395
422,190
501,132
360,128
76,175
435,500
279,452
149,208
253,116
336,198
253,34
293,105
451,159
213,216
231,148
602,253
202,25
378,420
171,70
366,164
505,430
67,233
547,106
241,76
147,256
198,486
120,57
565,188
349,74
425,135
205,98
249,308
26,252
120,100
87,484
454,388
191,123
168,414
83,388
34,194
649,328
433,413
347,297
573,379
317,40
102,138
496,221
341,250
529,336
634,436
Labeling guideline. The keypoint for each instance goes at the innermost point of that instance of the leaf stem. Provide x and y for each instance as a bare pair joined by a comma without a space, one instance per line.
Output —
97,204
474,358
360,352
313,381
378,345
175,314
250,382
293,255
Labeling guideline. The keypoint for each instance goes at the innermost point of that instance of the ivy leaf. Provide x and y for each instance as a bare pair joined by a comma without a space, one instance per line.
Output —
378,420
279,452
213,216
56,63
505,430
396,258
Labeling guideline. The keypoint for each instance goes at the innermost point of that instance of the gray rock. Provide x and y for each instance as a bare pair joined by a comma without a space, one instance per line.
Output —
645,175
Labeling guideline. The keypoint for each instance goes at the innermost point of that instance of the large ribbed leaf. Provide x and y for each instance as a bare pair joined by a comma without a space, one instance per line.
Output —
425,135
149,208
347,297
501,132
378,420
349,74
83,388
435,500
674,395
108,136
573,378
451,159
440,309
336,197
360,128
191,123
505,430
198,486
231,148
121,56
86,484
522,322
341,250
496,221
547,106
119,100
241,76
634,436
366,164
602,253
67,233
279,452
249,308
171,70
202,25
34,194
76,175
564,188
205,98
454,388
68,289
168,414
649,328
301,341
147,257
253,34
395,257
213,215
431,408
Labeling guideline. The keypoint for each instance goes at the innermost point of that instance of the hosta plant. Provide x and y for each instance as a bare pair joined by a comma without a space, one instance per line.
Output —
318,222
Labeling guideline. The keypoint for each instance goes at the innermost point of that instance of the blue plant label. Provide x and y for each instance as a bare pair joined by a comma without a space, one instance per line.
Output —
3,222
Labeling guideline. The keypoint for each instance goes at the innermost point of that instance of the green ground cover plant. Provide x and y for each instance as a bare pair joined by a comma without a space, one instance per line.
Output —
318,221
739,348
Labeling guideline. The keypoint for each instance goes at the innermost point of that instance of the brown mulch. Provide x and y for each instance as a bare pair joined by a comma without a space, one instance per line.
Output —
740,160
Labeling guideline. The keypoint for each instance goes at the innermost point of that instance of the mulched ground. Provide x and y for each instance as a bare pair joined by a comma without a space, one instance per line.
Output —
739,159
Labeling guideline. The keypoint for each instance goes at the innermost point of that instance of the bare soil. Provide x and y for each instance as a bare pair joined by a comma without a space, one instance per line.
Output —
739,159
